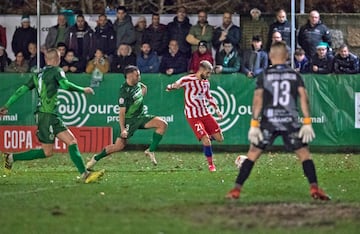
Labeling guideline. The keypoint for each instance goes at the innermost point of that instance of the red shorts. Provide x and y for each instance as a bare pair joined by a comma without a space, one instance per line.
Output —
204,126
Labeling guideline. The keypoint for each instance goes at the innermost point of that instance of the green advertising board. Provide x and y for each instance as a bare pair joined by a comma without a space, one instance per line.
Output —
334,101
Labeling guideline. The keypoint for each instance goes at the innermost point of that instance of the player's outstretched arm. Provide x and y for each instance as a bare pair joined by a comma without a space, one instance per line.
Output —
67,85
172,86
3,111
18,93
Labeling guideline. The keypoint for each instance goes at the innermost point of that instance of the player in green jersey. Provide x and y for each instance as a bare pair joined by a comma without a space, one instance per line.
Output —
132,117
47,83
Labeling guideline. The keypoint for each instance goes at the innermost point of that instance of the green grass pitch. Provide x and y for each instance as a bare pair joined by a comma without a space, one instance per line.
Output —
180,195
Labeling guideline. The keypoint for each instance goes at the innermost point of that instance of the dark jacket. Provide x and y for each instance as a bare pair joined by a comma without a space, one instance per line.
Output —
348,65
309,37
157,38
85,51
283,28
303,66
149,65
21,39
178,31
75,63
124,31
120,62
260,64
33,61
105,38
4,62
178,62
233,36
325,64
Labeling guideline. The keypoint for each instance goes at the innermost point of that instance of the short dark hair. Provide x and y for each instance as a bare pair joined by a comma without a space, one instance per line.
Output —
129,69
121,8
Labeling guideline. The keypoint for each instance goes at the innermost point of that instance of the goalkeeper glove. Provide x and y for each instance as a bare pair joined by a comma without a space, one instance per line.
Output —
306,132
255,135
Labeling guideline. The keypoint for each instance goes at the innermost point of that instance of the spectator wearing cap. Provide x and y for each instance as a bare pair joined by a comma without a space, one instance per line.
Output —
4,59
23,36
346,62
202,31
140,28
312,33
255,60
178,29
254,26
157,36
173,62
3,39
228,59
227,31
57,32
322,62
147,60
281,25
301,62
201,54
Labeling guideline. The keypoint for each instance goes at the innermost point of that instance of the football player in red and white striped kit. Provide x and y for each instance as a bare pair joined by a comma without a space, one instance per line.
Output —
197,96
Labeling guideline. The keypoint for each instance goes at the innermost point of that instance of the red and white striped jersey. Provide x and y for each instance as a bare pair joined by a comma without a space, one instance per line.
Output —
196,96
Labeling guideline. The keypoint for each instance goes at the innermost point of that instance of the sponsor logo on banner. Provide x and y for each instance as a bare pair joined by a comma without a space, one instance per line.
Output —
23,138
228,106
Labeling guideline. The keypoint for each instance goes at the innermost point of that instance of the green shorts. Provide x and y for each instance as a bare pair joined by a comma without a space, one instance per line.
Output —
49,125
135,123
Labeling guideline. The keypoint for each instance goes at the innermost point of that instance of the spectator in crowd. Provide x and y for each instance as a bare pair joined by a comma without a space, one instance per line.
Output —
124,56
301,62
281,25
4,59
201,54
227,31
124,28
346,62
252,27
322,62
202,31
57,32
61,47
312,33
276,36
97,67
157,36
105,36
255,60
80,38
71,63
33,57
140,28
23,36
228,59
147,60
3,39
173,62
19,65
178,29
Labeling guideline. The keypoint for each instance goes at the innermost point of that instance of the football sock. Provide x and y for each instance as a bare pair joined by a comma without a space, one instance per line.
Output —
245,170
155,141
29,155
76,158
208,153
101,155
309,171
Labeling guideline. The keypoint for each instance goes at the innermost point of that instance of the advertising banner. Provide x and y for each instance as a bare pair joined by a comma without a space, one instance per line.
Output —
334,102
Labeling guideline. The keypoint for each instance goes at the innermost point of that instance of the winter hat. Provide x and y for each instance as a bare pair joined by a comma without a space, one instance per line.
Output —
25,18
322,45
202,43
255,9
256,38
